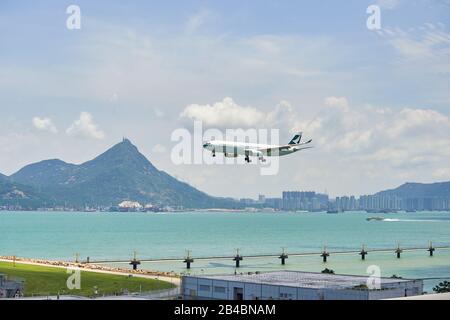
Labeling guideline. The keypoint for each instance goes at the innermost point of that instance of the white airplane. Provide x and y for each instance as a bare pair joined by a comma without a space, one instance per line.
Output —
232,149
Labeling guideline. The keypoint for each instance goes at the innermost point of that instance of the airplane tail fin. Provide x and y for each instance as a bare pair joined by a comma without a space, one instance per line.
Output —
297,138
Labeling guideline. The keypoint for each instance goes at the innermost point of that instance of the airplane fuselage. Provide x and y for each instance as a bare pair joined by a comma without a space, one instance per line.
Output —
233,149
247,149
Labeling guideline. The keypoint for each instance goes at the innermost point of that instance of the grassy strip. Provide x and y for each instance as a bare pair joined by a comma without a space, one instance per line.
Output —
41,280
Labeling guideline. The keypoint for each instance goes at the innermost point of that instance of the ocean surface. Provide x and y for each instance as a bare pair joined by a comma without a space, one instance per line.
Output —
115,236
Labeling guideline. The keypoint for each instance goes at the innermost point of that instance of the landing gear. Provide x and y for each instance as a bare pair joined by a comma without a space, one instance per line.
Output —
214,153
262,159
247,159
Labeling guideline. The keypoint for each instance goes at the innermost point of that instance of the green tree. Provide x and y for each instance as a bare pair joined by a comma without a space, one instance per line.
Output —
328,271
442,287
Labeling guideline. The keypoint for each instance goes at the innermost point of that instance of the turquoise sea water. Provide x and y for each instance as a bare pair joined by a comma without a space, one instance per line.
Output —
55,235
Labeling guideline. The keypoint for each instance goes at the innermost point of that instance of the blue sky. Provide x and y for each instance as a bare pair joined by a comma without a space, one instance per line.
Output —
376,103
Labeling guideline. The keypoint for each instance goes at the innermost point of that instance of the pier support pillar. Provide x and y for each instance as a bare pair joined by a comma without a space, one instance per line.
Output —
398,252
431,249
135,262
188,260
325,256
283,258
238,259
363,253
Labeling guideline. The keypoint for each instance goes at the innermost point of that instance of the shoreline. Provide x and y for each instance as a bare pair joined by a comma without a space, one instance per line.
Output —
219,210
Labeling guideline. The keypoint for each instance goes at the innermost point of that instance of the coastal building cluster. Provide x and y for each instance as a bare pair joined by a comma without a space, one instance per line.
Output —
299,200
392,203
289,201
312,201
124,206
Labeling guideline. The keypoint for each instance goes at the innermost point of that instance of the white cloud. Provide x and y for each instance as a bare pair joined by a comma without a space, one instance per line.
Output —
442,173
427,47
337,102
268,44
417,119
388,4
85,127
114,98
408,137
355,140
44,124
159,148
158,112
229,114
198,20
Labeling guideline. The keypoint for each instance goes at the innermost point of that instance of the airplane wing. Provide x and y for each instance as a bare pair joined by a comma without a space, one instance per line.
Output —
276,150
280,149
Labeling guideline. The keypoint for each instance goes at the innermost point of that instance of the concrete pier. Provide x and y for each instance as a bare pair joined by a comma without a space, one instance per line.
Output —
277,255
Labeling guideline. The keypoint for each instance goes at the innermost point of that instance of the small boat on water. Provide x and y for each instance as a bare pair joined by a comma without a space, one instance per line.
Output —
375,219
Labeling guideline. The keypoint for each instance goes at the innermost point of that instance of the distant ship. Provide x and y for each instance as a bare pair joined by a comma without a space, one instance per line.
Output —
333,211
375,219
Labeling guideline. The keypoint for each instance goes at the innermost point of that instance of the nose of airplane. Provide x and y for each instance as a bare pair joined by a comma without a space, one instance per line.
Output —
206,145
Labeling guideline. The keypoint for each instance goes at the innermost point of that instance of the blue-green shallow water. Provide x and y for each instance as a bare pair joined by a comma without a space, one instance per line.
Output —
55,235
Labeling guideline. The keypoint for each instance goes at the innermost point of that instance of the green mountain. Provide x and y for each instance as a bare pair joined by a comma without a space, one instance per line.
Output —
121,173
45,173
14,194
420,190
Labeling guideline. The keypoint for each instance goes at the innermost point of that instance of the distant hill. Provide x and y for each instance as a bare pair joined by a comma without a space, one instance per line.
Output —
12,194
420,190
121,173
45,173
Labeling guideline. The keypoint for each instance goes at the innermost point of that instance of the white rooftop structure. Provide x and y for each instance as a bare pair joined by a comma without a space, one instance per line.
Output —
130,205
295,285
303,279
